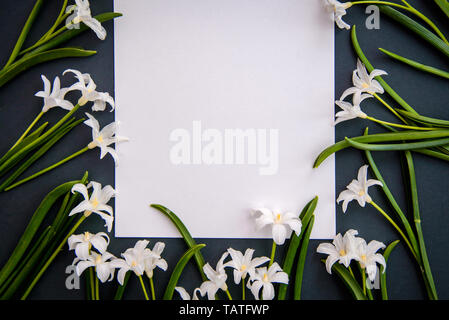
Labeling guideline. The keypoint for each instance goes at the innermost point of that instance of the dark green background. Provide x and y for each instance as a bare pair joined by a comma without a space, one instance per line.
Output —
427,94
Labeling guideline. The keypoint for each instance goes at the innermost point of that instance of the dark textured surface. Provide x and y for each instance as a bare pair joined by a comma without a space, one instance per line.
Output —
428,94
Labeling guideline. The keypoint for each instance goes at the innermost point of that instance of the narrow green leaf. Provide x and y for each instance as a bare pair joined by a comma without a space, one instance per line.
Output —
370,68
383,274
381,137
348,280
444,6
302,260
417,65
121,288
25,31
417,218
176,274
69,34
416,28
398,146
305,216
425,120
184,233
25,63
30,231
38,154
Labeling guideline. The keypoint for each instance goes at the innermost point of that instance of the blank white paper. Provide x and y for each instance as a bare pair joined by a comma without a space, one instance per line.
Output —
226,103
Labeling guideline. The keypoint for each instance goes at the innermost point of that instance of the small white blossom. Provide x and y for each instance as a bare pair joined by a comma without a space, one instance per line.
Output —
134,260
282,223
154,260
103,267
358,189
217,278
54,97
82,243
339,10
364,82
342,249
96,203
104,138
185,296
83,14
87,87
351,111
264,279
244,264
368,257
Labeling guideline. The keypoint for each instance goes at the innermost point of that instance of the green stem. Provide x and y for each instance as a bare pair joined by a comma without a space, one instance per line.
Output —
43,41
243,289
363,280
396,227
52,257
153,294
228,294
39,116
389,107
403,126
143,288
410,9
92,285
273,252
97,288
37,174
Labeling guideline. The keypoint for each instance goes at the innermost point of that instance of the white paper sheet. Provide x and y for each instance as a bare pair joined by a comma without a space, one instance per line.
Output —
226,104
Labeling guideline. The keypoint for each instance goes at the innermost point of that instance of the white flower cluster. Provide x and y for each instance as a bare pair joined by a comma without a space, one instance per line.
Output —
344,249
243,265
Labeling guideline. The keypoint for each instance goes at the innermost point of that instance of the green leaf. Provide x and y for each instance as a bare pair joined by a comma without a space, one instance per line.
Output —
383,274
425,120
381,137
184,233
305,216
417,65
29,61
417,28
69,34
302,260
370,68
25,31
121,288
57,136
348,280
30,231
398,146
444,6
417,218
176,274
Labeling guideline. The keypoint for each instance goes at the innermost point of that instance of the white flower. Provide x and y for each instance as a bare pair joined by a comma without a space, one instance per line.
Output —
96,203
351,111
154,260
281,223
103,267
82,243
87,87
263,279
104,137
83,14
244,264
367,256
185,296
134,260
358,189
339,10
54,97
342,249
364,82
217,278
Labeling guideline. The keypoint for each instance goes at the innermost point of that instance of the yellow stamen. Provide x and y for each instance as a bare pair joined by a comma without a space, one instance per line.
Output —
342,252
243,267
363,257
278,218
265,277
86,236
98,259
365,85
361,193
95,203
